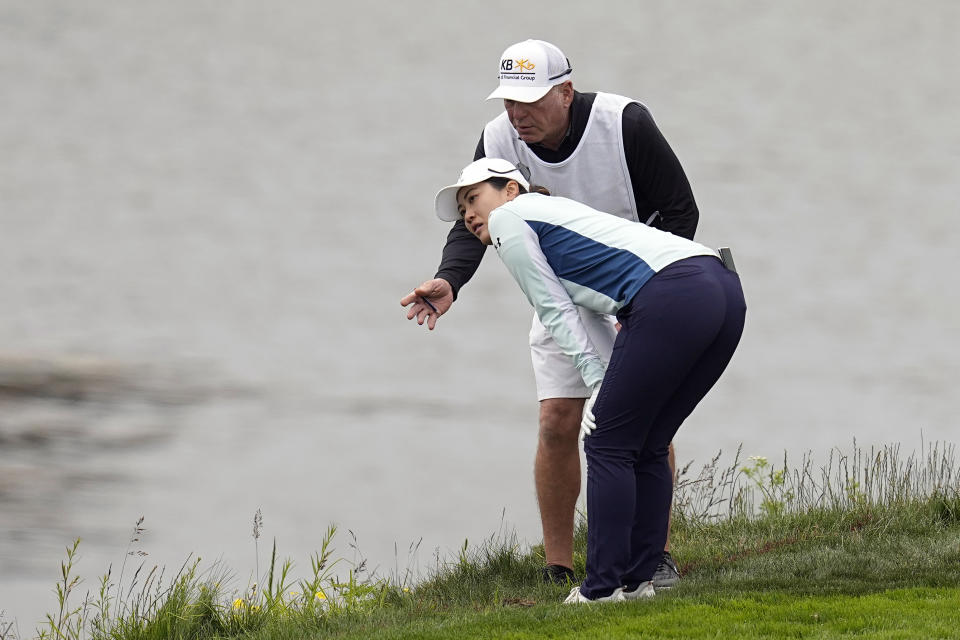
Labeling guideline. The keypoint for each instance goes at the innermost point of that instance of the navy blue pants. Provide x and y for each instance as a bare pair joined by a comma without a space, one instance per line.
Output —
678,333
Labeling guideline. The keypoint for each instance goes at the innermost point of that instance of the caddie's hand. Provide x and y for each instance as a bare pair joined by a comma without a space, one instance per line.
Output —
589,422
429,301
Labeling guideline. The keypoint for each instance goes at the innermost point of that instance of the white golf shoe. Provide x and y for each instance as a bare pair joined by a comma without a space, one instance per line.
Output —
645,590
576,597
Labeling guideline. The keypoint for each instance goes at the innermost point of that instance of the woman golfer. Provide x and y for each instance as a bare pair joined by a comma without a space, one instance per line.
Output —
681,314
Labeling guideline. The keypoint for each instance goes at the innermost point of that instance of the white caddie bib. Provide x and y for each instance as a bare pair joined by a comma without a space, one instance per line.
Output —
596,172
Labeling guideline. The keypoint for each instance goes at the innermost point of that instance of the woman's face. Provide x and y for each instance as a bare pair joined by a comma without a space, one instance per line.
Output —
475,203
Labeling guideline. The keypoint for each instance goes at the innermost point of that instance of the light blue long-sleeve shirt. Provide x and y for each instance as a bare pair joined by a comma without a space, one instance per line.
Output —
563,253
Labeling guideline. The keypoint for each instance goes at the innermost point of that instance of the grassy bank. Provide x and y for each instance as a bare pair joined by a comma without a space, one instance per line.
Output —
867,544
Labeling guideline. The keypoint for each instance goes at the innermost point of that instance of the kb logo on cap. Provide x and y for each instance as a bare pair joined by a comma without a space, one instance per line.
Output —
522,65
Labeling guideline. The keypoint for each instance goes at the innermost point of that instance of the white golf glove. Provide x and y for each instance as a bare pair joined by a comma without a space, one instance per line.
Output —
589,422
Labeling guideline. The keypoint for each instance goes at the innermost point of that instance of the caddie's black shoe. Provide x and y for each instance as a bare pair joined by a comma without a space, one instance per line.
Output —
558,574
666,575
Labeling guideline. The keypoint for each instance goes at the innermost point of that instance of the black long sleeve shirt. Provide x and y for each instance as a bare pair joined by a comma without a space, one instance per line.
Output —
660,186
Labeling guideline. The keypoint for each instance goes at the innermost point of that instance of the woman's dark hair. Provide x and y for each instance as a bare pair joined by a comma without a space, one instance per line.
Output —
501,183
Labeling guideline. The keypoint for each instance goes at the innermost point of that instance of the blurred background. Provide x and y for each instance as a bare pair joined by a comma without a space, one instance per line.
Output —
209,212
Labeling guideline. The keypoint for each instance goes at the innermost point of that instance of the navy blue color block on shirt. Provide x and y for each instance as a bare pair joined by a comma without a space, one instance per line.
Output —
616,273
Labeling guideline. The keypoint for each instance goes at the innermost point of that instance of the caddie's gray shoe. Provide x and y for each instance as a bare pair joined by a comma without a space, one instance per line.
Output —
645,590
576,597
666,575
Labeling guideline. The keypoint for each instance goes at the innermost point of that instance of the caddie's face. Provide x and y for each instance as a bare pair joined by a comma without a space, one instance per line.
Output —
544,121
475,203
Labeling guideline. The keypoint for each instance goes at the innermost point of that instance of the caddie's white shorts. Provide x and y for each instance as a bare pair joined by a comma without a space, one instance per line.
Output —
554,371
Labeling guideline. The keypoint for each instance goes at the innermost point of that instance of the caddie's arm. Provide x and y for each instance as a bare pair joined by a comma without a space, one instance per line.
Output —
463,251
461,257
659,181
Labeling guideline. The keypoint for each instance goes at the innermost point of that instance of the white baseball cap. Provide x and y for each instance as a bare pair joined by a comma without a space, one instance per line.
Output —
529,69
475,173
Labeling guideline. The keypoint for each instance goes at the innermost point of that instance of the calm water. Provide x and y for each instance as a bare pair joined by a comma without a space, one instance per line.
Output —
208,216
